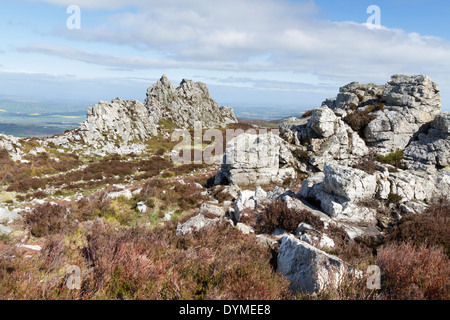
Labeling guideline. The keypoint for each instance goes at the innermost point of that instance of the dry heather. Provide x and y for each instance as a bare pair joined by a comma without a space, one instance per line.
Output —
431,227
278,215
137,263
411,272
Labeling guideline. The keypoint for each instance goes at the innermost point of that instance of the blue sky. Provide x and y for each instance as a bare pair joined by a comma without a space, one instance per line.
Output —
249,52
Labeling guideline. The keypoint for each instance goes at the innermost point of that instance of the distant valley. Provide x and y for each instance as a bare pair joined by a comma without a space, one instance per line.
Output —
22,117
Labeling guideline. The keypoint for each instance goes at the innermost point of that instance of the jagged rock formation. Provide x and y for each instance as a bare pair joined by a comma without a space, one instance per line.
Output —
115,127
187,104
399,108
256,159
325,136
122,126
362,122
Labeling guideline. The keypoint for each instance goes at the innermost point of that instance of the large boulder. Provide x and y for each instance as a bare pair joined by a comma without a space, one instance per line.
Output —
323,122
420,186
5,230
397,109
307,268
256,159
349,183
7,216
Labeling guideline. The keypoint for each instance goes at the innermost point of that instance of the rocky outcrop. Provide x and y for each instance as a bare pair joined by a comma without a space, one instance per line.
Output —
431,149
325,137
123,126
256,159
337,191
118,126
366,118
420,186
12,145
186,105
349,131
399,109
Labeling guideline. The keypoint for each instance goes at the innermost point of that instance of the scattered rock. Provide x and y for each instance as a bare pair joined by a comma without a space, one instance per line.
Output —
117,194
142,207
196,223
5,230
7,217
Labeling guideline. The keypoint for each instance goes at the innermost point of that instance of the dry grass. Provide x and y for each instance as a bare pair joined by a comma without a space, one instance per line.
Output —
367,164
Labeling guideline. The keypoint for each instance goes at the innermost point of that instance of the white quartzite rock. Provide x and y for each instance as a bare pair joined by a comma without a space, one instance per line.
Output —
337,190
256,159
201,221
7,216
122,126
307,268
431,149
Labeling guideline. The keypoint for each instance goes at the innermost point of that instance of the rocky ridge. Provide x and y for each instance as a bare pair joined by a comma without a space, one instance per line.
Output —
342,148
123,126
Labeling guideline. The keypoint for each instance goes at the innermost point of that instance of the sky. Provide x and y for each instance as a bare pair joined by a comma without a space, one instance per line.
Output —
276,53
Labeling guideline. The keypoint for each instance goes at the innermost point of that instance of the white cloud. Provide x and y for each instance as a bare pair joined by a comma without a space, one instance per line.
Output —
233,34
